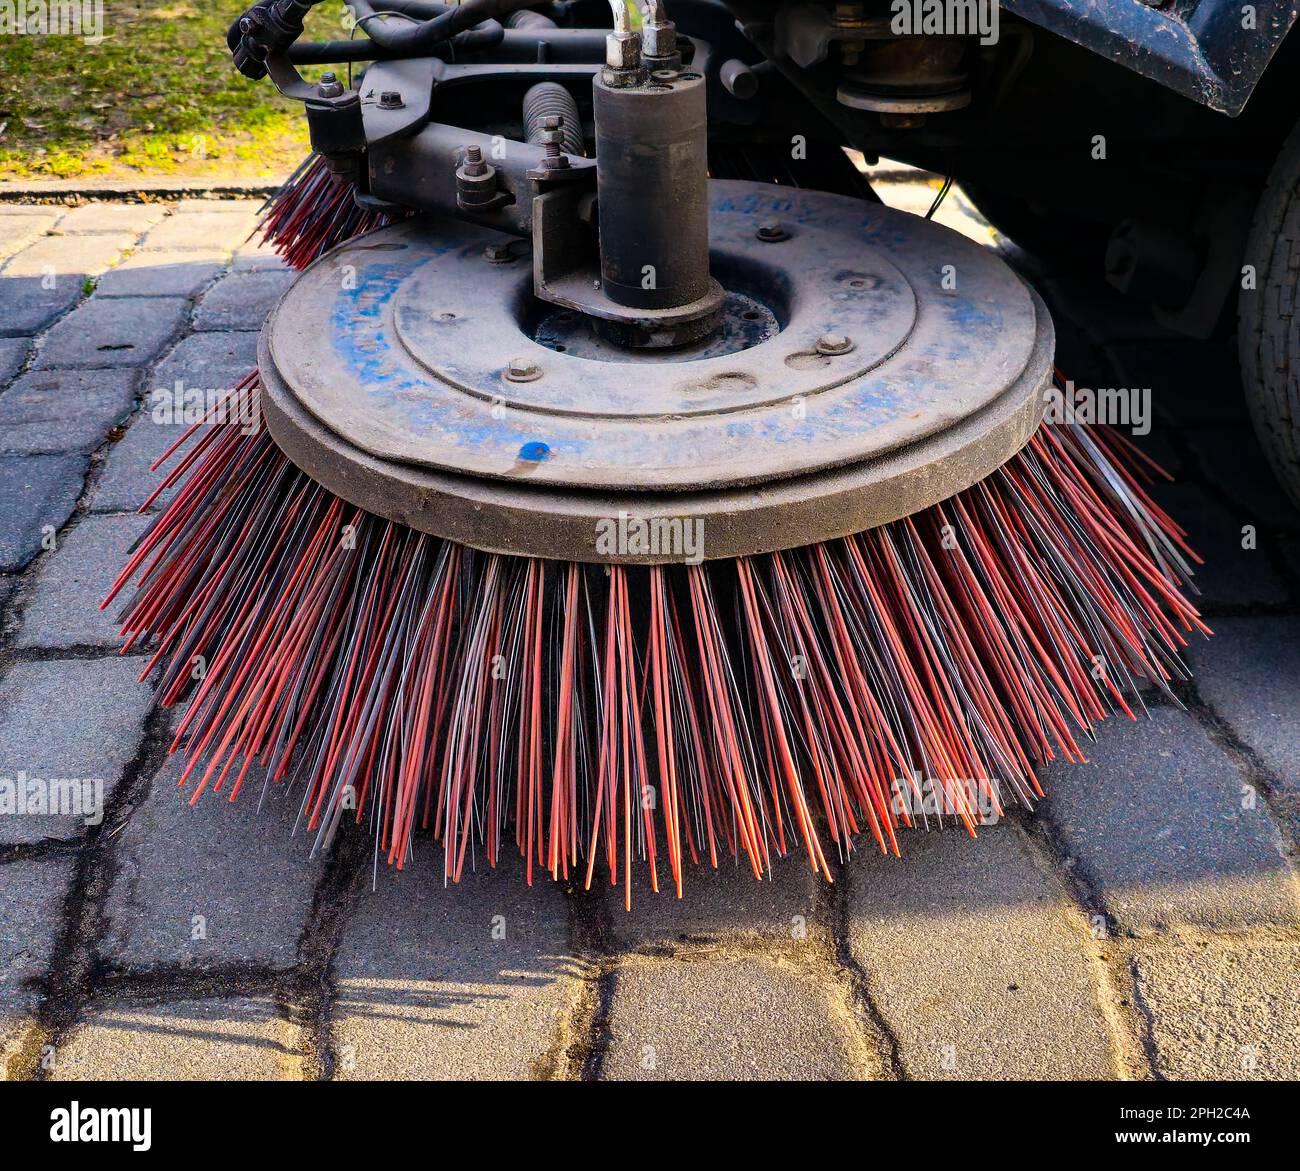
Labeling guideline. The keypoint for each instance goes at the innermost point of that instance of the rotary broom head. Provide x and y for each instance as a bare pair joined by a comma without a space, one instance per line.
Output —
631,717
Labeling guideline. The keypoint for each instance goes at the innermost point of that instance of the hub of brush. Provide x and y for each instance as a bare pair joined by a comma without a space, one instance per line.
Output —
566,335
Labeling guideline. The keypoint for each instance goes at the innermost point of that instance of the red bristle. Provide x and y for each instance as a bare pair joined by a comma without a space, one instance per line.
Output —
806,691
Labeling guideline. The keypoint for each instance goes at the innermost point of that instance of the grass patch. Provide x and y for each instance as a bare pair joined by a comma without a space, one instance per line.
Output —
158,95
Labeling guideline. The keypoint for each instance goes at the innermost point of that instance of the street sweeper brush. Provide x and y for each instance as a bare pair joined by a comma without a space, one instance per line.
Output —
643,519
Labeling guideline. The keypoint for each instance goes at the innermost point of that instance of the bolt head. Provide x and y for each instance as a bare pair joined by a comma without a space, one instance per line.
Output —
391,99
552,122
834,343
498,253
522,370
772,232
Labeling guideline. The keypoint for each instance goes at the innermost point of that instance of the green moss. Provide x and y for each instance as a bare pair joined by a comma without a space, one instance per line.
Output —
158,94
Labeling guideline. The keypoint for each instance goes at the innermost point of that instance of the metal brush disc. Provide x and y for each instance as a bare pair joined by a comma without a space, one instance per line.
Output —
870,364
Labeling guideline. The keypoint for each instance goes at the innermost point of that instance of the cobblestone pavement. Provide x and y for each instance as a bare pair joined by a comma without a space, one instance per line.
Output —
1143,924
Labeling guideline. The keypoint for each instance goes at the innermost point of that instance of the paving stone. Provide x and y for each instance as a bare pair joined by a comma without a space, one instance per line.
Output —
724,904
255,255
70,719
162,274
114,331
220,206
18,231
1223,1012
35,491
425,991
49,277
126,481
207,361
64,609
241,300
64,410
1192,383
1155,823
201,362
112,217
243,872
729,1020
1248,674
1231,575
13,353
227,1039
203,230
974,962
1235,464
31,920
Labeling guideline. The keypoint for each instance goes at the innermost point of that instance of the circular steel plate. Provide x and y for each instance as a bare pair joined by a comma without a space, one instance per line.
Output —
384,372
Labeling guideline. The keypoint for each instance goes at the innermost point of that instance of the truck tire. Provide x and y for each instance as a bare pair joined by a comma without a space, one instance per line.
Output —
1268,325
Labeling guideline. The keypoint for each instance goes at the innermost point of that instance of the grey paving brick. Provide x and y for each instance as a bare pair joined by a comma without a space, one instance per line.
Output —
255,255
68,259
114,331
18,231
1231,574
219,206
724,904
1218,1011
425,991
68,719
13,353
1155,822
219,870
226,1039
111,217
1235,464
64,607
64,410
1192,383
729,1019
29,304
36,491
162,274
203,230
31,920
201,362
126,481
974,962
241,300
208,361
1248,674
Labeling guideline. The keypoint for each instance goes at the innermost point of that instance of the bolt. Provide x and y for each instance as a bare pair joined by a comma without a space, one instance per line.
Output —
390,99
498,254
522,370
553,158
772,232
329,86
834,343
474,165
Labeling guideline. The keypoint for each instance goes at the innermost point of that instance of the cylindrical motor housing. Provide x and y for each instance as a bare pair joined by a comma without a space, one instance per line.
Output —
653,190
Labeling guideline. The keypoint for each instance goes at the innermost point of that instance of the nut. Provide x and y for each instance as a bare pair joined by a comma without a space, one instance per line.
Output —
623,51
522,370
659,39
772,232
834,343
329,86
390,99
498,254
